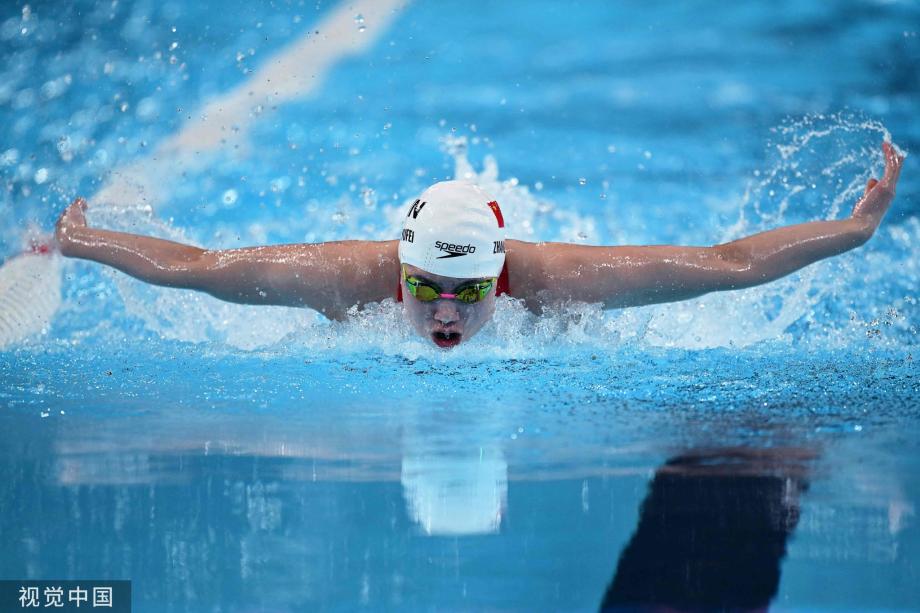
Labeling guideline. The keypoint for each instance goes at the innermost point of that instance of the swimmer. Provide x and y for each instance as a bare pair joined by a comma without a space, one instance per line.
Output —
452,259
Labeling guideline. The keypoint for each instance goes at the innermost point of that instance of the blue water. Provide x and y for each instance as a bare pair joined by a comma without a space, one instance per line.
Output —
738,450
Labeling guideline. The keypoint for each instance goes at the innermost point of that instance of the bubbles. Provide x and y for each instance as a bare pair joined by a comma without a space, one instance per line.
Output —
359,21
279,184
54,88
147,110
65,148
9,157
369,198
229,198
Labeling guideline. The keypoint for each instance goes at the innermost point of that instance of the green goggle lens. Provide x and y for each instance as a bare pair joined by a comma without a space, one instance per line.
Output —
427,292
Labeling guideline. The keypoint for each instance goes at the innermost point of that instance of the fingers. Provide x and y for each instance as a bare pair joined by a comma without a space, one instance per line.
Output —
893,162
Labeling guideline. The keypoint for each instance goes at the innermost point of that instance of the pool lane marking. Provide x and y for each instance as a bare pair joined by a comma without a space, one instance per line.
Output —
30,284
30,295
295,72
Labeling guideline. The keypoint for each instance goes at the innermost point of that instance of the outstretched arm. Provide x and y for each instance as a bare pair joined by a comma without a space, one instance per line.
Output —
546,273
328,277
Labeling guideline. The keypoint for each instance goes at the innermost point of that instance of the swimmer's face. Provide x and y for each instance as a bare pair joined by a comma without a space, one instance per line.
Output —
446,322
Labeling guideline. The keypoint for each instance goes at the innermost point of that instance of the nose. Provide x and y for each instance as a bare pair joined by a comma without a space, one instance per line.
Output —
446,312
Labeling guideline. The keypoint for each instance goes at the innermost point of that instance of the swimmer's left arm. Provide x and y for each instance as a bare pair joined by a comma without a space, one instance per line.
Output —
549,273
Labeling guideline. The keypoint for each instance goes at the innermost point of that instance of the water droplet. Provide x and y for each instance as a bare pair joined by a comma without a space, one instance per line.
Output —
582,235
538,185
240,56
41,175
611,148
229,198
339,217
369,197
359,20
647,154
387,125
147,109
582,181
174,46
280,184
9,157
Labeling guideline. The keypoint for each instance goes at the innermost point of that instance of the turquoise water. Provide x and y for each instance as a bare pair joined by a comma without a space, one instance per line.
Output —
735,451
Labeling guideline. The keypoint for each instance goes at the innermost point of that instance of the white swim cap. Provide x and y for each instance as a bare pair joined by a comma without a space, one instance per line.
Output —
454,229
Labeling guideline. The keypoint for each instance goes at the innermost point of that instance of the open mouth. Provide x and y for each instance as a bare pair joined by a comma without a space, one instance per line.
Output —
446,339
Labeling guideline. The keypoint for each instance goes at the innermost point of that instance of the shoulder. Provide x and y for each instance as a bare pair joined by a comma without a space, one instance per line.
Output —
526,264
536,270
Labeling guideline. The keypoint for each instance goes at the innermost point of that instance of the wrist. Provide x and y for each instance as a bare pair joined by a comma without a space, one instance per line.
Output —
70,239
863,227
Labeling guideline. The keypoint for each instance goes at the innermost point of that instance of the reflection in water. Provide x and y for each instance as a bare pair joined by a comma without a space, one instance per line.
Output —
712,532
456,488
456,495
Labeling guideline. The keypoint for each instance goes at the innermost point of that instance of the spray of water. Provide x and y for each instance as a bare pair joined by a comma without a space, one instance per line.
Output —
815,169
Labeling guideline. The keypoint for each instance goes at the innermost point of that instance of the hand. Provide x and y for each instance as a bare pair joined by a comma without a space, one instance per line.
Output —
71,219
878,195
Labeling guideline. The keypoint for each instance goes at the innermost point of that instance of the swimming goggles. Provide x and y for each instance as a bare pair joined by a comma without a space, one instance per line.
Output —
426,291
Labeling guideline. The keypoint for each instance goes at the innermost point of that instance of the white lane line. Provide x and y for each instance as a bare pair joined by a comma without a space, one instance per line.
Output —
30,295
294,73
30,285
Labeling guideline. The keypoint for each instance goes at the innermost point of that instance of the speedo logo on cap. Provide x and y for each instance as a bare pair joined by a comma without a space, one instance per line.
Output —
454,251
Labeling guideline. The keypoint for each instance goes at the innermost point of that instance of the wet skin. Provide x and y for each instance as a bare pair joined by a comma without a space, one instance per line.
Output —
446,322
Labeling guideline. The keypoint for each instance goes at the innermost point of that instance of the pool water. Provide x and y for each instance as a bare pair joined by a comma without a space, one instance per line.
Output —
734,452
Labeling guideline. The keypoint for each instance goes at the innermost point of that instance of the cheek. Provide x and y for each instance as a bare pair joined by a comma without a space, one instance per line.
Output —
416,313
480,315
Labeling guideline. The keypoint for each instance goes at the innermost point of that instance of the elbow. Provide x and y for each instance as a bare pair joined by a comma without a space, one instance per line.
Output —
191,270
733,266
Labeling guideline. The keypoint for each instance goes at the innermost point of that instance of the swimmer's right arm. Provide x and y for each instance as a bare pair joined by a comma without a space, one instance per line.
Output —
328,277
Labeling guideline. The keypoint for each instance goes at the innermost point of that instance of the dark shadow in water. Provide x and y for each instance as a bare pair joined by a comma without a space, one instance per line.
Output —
712,532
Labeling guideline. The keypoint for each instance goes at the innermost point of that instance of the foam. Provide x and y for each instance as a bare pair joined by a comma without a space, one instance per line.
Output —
815,169
30,294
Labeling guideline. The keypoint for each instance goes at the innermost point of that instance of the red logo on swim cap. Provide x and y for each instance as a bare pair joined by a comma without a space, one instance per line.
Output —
498,213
